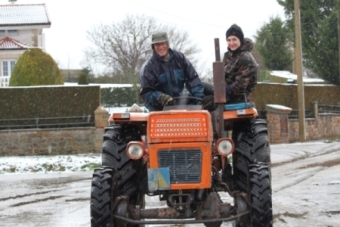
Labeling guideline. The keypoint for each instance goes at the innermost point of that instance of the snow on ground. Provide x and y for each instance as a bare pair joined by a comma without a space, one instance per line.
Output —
86,162
48,164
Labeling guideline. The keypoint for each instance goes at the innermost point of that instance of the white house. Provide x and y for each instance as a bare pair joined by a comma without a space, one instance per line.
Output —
21,27
288,77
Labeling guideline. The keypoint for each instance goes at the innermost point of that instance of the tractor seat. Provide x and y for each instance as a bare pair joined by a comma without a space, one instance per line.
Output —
239,106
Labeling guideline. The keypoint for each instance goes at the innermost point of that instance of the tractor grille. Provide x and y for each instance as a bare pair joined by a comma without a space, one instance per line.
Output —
179,127
185,165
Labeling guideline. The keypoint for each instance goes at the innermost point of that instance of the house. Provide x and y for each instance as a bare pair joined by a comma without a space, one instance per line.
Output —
288,77
21,27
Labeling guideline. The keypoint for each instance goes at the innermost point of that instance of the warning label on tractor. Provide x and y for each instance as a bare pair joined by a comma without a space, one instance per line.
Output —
159,179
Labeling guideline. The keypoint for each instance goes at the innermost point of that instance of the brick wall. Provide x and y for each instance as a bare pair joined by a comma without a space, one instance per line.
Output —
320,127
26,142
48,141
277,123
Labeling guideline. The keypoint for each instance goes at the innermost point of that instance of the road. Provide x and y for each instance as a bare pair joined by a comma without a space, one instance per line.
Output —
305,184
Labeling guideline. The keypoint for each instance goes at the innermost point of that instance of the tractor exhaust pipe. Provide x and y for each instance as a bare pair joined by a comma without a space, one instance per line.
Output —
219,88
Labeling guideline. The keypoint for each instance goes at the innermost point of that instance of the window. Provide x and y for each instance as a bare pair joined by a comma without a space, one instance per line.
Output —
9,32
4,68
13,32
6,71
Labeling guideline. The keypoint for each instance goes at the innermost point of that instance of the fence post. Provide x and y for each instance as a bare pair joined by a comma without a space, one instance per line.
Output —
277,122
101,117
315,109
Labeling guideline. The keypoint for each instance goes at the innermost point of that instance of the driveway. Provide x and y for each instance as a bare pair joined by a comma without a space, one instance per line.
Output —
305,184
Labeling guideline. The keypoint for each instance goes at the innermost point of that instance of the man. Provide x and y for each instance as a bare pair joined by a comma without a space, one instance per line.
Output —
165,74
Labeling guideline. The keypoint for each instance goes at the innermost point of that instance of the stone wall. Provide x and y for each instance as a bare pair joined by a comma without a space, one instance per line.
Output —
47,141
277,123
321,126
281,129
55,141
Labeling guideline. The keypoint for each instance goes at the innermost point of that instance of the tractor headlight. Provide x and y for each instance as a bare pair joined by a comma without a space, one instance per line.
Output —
135,150
225,146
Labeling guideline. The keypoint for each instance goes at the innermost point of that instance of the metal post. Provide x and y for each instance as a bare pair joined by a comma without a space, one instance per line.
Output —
339,40
219,88
298,60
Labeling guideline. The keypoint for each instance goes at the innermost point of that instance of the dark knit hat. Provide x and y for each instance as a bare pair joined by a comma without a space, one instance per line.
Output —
236,31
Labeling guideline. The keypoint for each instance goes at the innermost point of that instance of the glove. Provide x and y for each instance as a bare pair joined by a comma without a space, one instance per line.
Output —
229,92
165,99
208,103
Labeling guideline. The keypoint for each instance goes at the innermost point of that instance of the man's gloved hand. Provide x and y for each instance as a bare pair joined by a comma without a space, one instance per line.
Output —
165,99
208,103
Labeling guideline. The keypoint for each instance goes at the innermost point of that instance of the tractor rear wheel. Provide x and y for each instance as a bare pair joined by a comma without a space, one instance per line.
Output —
251,148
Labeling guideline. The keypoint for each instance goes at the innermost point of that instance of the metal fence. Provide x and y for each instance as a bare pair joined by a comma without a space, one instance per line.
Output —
48,122
322,110
328,109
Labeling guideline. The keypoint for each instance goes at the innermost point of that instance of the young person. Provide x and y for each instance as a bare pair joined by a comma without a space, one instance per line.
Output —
240,67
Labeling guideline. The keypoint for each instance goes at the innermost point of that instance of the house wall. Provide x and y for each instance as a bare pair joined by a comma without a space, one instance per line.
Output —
27,36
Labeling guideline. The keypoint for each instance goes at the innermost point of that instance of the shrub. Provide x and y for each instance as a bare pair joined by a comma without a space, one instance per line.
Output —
83,78
35,67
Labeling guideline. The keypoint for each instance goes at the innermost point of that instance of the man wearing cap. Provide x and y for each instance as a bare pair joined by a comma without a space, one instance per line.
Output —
165,74
240,67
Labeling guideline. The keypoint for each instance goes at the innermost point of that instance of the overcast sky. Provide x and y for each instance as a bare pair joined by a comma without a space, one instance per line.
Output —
204,20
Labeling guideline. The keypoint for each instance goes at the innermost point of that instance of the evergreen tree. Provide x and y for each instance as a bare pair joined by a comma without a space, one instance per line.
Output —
318,34
272,44
83,77
35,67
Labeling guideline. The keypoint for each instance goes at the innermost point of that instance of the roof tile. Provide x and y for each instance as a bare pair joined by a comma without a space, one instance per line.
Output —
8,43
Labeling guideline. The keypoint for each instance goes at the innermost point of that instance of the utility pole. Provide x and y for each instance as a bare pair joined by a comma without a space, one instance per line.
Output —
339,40
298,65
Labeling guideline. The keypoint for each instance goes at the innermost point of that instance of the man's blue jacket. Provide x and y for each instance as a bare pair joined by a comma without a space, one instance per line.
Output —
159,76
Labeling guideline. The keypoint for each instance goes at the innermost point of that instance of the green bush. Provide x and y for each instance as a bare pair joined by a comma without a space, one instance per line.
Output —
83,78
35,67
264,76
119,96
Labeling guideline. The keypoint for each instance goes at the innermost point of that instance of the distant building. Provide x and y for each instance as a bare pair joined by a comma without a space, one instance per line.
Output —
21,27
288,77
70,75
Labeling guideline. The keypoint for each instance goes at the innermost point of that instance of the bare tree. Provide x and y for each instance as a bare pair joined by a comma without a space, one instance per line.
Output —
122,47
179,41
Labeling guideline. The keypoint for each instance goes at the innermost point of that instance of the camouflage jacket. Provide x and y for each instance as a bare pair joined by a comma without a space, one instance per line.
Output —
240,69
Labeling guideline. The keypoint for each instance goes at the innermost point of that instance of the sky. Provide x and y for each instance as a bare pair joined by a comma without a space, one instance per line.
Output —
204,20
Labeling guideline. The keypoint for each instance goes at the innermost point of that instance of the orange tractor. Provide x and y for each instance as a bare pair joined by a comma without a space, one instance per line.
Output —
202,167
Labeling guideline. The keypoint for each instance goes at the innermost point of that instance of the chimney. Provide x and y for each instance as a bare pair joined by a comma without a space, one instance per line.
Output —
12,1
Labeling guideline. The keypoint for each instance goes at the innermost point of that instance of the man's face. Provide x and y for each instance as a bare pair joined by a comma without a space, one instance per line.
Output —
233,42
161,48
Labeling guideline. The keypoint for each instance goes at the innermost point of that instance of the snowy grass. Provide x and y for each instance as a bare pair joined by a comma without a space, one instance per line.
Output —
47,164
